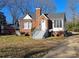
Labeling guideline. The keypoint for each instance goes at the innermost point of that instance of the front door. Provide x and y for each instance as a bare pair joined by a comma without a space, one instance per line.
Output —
43,25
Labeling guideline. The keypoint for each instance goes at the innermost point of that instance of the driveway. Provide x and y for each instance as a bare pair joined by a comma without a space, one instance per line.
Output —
68,49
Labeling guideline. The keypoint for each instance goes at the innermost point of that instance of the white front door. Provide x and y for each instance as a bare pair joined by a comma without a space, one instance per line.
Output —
43,25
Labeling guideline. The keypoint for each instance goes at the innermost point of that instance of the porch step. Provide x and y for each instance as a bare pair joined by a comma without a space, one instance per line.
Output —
39,35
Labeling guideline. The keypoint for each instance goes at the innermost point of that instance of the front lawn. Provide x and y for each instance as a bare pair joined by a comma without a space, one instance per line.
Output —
22,46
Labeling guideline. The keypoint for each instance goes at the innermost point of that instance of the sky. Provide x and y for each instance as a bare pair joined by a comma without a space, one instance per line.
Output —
60,7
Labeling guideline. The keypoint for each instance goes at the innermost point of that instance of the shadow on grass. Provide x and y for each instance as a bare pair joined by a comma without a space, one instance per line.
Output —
20,52
36,54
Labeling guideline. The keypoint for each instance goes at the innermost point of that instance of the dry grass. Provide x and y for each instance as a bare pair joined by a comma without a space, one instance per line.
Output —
22,46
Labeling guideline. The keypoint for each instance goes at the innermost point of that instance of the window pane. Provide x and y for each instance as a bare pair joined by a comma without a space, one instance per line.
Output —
54,23
60,23
30,25
57,23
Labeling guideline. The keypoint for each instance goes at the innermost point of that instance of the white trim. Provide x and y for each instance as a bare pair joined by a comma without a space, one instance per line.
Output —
27,17
58,29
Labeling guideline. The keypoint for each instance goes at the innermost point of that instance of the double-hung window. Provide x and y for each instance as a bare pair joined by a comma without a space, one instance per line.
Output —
57,23
27,25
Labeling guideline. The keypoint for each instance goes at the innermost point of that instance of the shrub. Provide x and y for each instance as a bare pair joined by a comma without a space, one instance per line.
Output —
73,27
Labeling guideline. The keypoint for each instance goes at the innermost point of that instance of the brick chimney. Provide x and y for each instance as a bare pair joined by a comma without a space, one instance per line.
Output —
38,12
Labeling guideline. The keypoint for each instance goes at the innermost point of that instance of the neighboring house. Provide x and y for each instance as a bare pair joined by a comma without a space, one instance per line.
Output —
7,29
41,25
2,22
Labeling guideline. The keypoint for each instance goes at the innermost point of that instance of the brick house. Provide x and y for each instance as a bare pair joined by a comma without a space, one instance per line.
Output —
40,25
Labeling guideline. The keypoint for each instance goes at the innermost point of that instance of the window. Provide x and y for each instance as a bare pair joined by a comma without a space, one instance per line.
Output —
30,25
27,25
57,23
60,23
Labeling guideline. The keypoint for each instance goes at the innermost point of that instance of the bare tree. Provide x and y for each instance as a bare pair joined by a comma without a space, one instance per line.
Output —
17,8
23,6
11,5
72,9
2,19
2,4
47,6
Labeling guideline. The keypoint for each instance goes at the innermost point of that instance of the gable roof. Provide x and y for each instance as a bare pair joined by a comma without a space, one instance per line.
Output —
44,16
27,17
33,16
50,16
56,16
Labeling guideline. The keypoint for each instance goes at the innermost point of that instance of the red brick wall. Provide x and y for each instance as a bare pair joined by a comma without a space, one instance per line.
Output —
39,20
